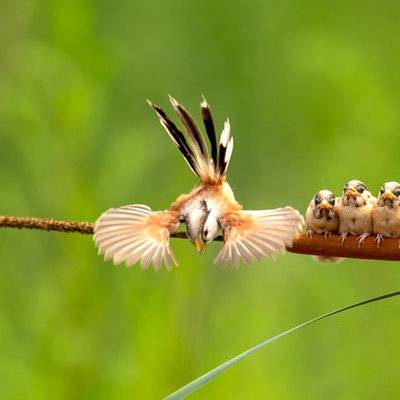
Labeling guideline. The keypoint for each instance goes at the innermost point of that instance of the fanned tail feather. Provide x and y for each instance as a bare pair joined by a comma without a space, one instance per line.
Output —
225,149
210,129
193,147
177,137
196,138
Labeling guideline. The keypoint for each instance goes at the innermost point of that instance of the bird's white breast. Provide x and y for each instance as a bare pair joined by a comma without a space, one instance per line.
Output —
355,220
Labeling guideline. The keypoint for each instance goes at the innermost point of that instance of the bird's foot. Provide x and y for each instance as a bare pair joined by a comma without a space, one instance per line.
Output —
310,233
327,234
379,239
361,238
343,237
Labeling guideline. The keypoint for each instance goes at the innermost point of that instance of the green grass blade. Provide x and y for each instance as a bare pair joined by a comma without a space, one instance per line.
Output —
204,379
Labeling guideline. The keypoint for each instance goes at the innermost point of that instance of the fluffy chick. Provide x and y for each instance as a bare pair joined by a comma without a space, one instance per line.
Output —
355,211
386,212
322,218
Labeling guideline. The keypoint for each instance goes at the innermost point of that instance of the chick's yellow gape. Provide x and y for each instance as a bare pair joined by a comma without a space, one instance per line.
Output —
136,233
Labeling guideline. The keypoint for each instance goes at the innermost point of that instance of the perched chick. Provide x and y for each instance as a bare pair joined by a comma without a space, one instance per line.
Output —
386,212
136,233
321,216
354,210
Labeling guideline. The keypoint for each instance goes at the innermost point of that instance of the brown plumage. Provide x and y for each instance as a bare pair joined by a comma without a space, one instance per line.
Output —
135,233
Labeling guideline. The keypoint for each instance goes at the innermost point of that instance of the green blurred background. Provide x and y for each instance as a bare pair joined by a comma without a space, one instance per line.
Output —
312,90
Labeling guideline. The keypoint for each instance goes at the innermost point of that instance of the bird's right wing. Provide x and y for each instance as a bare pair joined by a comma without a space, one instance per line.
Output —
255,235
132,233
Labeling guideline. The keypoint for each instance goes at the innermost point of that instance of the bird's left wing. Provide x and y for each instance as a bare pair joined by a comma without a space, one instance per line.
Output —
255,235
134,232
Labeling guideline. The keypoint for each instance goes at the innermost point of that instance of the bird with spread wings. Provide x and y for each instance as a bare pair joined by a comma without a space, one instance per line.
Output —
135,233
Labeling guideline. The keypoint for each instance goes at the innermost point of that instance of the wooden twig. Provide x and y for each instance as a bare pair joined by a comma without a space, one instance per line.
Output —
46,224
332,246
316,245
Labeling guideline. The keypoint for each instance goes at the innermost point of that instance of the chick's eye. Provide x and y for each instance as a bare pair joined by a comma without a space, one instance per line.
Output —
360,189
332,201
397,192
205,233
382,190
345,187
317,200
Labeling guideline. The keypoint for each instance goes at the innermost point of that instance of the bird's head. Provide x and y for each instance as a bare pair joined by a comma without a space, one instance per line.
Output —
323,204
202,224
389,195
356,194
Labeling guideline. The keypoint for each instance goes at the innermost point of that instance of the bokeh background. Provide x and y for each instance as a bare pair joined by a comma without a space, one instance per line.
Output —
312,90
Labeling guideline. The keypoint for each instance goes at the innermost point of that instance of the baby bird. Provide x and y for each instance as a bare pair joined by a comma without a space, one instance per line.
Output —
321,216
386,213
354,210
136,233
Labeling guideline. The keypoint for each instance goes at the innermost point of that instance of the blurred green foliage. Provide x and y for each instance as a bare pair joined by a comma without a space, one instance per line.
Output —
312,92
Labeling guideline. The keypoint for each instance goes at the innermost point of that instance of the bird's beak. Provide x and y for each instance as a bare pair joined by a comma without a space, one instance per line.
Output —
199,245
350,192
325,205
388,196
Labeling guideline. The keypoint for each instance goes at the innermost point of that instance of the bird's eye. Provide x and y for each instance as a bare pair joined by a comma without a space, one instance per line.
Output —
382,190
205,233
345,187
332,201
360,189
397,192
317,200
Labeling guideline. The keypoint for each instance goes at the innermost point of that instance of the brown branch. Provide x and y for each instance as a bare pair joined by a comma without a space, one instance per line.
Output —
332,246
46,224
316,245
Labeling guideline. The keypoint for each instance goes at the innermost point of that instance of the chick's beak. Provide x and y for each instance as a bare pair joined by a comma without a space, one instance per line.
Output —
199,245
388,196
350,192
325,205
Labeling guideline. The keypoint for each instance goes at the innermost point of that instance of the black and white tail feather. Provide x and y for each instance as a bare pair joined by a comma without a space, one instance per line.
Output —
192,145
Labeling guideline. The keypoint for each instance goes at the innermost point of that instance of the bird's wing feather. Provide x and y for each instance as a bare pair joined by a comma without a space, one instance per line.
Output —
255,235
135,233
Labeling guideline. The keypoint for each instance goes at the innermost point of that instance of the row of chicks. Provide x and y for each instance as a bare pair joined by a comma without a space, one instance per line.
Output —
356,212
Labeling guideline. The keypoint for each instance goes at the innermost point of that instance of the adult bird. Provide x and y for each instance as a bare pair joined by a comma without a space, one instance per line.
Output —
135,233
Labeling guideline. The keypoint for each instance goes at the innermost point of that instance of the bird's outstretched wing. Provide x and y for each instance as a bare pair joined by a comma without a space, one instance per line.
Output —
255,235
134,232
